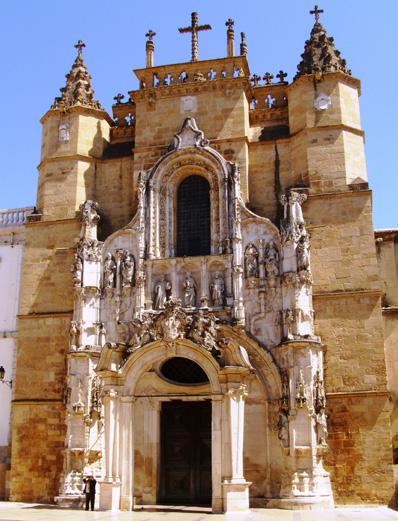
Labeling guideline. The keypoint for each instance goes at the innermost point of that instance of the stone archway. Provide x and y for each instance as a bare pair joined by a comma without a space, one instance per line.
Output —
133,401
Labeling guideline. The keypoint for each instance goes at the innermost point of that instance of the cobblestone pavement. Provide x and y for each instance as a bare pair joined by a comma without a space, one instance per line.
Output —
36,512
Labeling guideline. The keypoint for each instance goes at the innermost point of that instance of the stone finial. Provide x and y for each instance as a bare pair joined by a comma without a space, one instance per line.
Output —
230,37
243,44
150,48
320,54
78,89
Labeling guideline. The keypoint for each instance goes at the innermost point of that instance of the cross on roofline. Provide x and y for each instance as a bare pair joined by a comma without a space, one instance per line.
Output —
316,12
118,98
230,23
150,34
194,28
80,46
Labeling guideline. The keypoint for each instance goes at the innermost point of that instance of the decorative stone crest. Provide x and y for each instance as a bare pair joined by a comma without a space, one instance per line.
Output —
189,136
90,250
173,323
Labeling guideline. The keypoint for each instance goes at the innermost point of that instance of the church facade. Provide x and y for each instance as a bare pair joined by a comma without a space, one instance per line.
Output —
219,337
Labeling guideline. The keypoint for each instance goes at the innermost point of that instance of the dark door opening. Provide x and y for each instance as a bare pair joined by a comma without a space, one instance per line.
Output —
185,460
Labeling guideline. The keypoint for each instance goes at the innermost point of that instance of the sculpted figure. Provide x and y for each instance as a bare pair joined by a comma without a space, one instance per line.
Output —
162,293
289,323
321,428
283,428
217,290
109,271
89,218
77,271
127,271
189,291
251,261
303,257
74,332
272,261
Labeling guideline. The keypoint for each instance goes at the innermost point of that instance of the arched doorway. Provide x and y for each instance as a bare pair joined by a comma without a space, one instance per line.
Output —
193,217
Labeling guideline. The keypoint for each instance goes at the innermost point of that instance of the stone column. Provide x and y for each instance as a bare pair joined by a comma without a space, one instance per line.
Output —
110,486
126,454
236,488
216,455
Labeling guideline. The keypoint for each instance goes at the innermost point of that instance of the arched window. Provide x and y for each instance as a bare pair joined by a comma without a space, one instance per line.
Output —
193,217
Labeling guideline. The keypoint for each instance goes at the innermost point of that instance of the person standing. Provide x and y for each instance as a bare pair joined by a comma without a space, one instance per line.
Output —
89,490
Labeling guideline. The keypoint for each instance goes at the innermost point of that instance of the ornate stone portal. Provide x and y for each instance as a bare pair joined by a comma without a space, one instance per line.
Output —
243,314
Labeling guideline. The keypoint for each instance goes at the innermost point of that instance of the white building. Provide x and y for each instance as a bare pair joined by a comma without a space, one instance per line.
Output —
11,248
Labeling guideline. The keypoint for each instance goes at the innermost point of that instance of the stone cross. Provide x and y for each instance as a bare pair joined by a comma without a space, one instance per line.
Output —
281,75
268,78
316,12
230,23
255,79
118,98
194,29
150,34
80,46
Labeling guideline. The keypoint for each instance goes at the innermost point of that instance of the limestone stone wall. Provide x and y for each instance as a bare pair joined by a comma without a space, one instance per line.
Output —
387,257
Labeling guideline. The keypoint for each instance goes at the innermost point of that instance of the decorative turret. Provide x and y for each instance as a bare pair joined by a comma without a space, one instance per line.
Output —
78,89
320,54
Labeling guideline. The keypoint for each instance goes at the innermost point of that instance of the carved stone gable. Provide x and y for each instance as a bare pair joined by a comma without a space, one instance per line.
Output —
189,136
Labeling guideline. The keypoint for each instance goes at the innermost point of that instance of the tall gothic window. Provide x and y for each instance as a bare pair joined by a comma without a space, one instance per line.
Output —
193,217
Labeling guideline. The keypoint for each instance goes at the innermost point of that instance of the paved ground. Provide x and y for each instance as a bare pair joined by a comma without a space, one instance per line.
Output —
36,512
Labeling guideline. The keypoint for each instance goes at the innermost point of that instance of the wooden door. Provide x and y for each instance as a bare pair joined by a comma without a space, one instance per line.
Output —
185,463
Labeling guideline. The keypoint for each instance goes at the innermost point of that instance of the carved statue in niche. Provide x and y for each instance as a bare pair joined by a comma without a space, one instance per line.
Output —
320,410
251,261
78,404
77,271
89,218
109,271
283,423
189,291
292,226
127,270
303,257
162,293
101,333
272,261
217,290
95,402
283,428
321,428
288,321
301,398
74,333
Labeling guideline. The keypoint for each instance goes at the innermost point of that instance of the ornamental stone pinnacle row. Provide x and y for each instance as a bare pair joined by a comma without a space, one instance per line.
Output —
78,89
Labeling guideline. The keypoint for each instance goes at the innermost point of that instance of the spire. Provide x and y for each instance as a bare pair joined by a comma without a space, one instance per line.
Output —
78,90
320,54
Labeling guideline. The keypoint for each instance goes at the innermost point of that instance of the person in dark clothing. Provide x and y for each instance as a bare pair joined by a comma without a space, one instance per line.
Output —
89,490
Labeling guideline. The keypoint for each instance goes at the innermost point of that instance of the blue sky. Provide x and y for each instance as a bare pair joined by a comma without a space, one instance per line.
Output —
37,39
